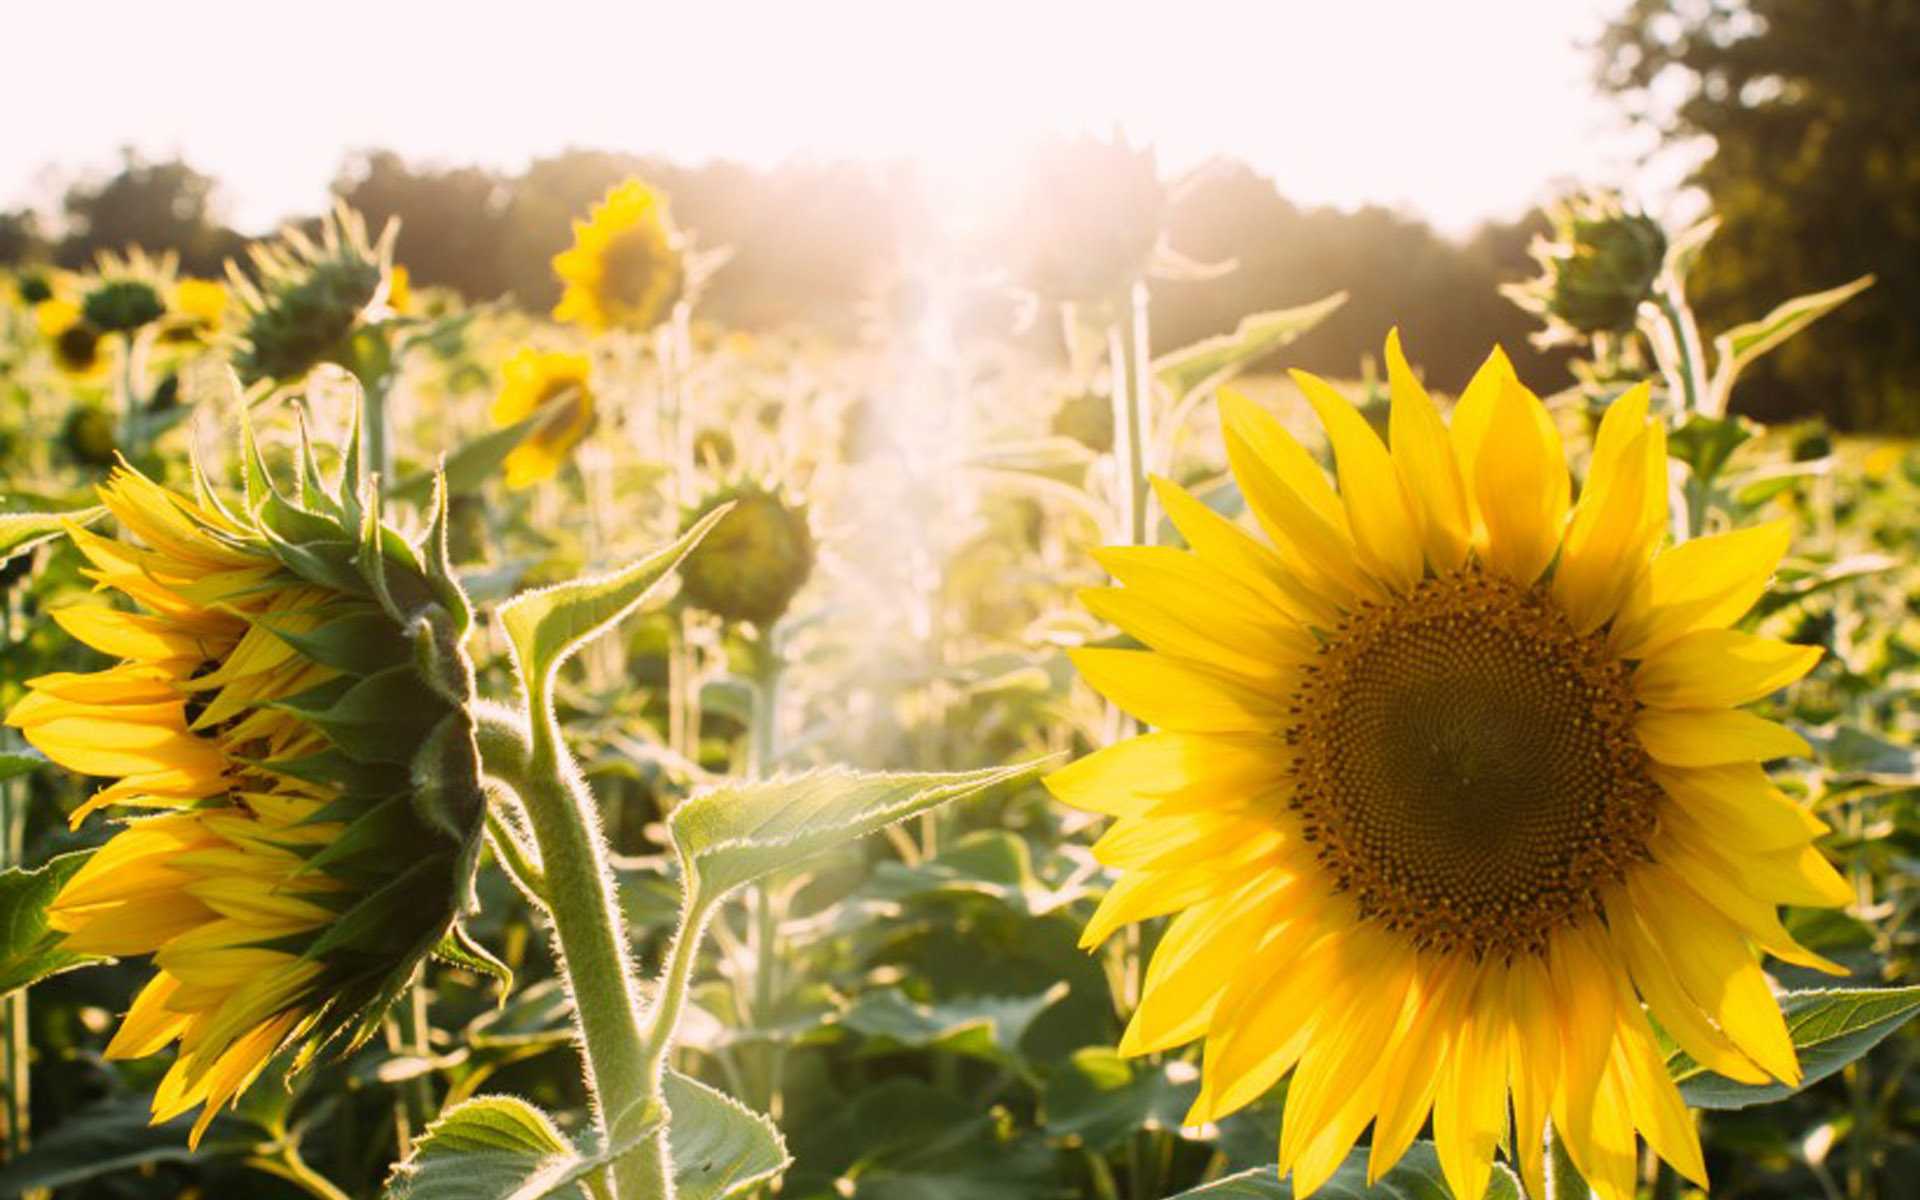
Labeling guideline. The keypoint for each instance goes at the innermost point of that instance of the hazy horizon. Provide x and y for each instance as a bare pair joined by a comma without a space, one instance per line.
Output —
1338,107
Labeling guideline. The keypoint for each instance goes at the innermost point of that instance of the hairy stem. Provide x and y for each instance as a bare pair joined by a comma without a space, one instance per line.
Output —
591,939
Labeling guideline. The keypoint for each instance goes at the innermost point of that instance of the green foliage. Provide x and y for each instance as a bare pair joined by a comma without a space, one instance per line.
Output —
29,950
1416,1178
1830,1028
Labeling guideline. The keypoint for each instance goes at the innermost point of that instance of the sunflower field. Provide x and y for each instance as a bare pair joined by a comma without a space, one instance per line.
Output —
459,753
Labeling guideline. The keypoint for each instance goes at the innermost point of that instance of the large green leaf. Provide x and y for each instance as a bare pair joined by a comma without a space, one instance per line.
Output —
15,763
983,1027
488,1148
1100,1098
1215,360
1417,1177
718,1146
1831,1027
21,532
29,951
547,625
1742,344
735,834
115,1135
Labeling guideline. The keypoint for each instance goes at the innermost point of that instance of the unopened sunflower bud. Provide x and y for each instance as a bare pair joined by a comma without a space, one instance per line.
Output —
293,701
1599,267
122,305
1092,217
89,436
750,566
307,298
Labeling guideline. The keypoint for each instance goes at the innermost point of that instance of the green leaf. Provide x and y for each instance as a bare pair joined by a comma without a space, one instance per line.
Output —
15,763
29,951
1831,1027
1417,1177
547,625
983,1027
380,719
1215,360
1739,346
487,1148
463,950
21,532
719,1147
1852,752
474,463
1100,1098
735,834
116,1135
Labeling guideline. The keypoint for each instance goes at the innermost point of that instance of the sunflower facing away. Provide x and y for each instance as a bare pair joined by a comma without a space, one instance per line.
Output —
532,380
624,269
1448,778
317,792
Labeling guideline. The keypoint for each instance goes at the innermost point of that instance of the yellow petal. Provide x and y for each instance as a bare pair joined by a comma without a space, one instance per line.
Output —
1469,1106
149,1025
130,635
1413,1064
1233,551
1615,527
1384,529
1213,638
1652,1099
1710,958
1197,959
1520,479
1130,778
1472,417
1740,805
1719,668
1677,1012
1706,583
1300,512
1424,458
1173,694
1710,737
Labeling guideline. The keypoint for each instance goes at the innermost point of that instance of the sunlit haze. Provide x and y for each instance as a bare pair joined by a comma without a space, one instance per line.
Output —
1455,112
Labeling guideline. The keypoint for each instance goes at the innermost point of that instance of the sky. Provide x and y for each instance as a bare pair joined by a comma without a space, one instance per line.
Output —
1456,112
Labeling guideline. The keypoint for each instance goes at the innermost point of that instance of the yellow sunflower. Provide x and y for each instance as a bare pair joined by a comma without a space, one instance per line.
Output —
624,269
266,703
76,345
1450,788
534,379
202,301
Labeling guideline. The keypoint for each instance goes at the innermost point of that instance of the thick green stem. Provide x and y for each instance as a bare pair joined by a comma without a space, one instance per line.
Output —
592,942
132,419
761,750
1141,399
373,426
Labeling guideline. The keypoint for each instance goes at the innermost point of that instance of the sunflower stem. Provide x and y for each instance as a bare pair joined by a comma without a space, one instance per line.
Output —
620,1069
762,748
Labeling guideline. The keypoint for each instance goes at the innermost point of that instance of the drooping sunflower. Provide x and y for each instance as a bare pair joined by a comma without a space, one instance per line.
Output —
291,697
626,267
1450,786
532,380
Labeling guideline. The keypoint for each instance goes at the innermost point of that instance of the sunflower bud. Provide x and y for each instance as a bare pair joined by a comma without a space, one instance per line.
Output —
1599,267
122,305
750,566
88,435
33,288
307,298
627,266
293,705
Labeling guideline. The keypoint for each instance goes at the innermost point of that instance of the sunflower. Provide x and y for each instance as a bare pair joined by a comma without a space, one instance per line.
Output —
317,794
624,269
76,344
533,380
1450,787
203,302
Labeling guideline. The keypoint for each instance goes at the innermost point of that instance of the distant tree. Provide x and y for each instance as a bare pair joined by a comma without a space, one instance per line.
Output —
158,206
20,238
1812,108
1398,271
453,222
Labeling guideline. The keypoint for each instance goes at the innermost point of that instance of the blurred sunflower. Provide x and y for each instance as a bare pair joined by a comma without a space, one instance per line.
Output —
75,344
399,289
319,790
1448,779
203,302
625,269
534,379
